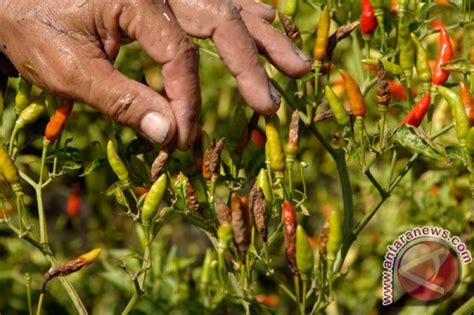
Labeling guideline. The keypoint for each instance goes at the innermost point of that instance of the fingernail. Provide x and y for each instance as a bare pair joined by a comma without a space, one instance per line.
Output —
155,126
266,6
302,56
274,95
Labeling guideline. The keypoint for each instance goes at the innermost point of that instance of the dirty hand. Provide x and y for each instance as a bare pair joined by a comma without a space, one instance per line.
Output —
67,48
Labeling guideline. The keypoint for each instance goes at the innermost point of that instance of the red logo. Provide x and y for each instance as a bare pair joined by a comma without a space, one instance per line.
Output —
428,270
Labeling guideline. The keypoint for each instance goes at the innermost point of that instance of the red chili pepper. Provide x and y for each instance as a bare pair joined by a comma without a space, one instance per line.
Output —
368,21
397,90
288,213
289,230
74,201
415,117
58,121
258,137
445,54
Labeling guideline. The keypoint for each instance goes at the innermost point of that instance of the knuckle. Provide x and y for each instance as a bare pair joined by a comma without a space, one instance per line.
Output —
119,108
228,10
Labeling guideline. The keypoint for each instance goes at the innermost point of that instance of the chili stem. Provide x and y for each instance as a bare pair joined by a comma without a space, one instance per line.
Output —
383,116
40,304
303,303
317,69
297,293
290,159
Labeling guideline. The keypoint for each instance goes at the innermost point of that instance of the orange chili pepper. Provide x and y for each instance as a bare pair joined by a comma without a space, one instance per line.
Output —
270,299
58,121
394,7
468,102
74,201
356,99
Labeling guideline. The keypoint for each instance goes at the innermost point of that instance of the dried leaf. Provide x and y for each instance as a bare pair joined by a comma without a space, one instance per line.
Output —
341,33
324,116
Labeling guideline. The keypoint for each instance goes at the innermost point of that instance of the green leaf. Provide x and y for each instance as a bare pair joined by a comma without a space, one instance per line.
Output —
94,166
71,166
454,153
415,140
458,65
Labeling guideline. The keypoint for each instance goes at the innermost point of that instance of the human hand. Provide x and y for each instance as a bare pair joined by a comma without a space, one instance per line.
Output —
67,48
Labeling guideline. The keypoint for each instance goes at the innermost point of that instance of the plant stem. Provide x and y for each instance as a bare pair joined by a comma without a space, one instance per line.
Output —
297,293
40,304
368,216
28,293
12,140
76,300
466,308
317,69
382,121
146,264
290,159
303,303
131,303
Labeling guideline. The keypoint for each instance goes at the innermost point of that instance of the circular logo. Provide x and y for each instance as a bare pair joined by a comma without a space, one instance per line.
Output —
428,269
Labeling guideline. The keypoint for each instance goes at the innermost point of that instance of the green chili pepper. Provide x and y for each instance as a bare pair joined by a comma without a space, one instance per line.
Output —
264,184
32,112
422,63
340,113
334,237
458,111
8,168
407,48
276,153
288,7
224,235
116,162
153,199
470,141
304,254
390,67
22,97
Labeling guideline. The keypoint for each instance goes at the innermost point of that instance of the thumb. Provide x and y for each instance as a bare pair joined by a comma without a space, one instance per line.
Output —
128,102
